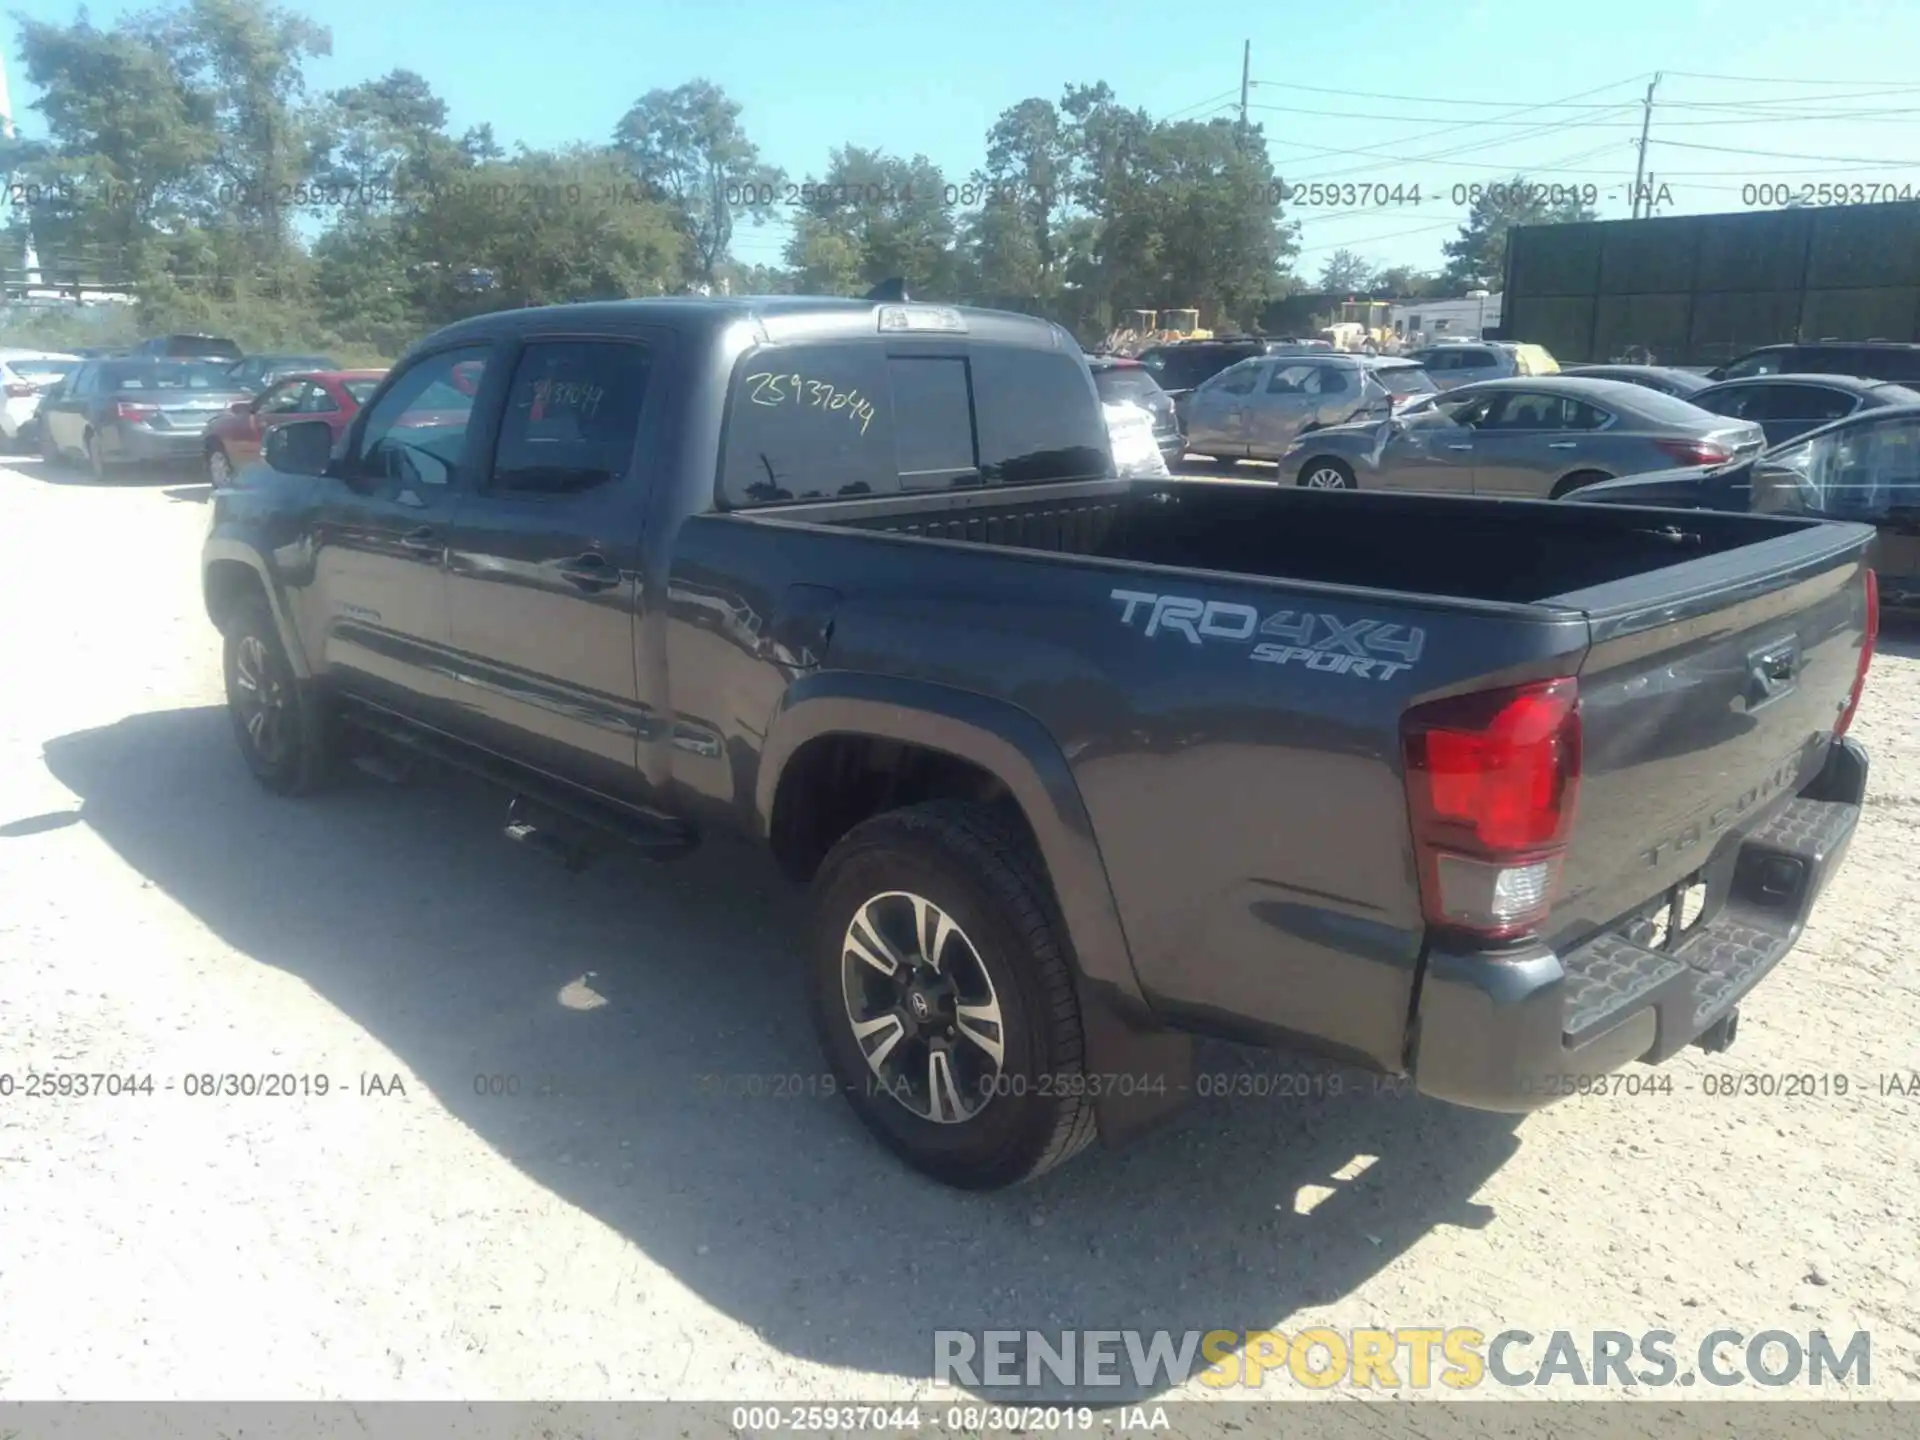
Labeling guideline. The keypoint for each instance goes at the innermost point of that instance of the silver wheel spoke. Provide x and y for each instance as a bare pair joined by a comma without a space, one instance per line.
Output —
943,1096
981,1025
256,725
864,943
886,1026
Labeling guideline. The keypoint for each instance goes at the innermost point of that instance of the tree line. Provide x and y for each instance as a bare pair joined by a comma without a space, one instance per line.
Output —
187,160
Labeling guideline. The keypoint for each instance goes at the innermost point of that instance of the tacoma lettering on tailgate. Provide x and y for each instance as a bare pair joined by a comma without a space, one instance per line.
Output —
1311,638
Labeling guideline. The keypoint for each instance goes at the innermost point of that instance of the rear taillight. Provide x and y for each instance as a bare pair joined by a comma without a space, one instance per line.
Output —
126,410
1492,779
19,390
1696,452
1866,656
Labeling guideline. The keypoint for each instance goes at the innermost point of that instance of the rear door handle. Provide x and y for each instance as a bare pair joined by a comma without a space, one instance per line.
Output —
1564,445
424,542
590,572
1459,447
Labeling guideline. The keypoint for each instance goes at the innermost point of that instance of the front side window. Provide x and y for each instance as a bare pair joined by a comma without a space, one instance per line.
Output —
1239,379
572,416
282,399
1767,362
417,434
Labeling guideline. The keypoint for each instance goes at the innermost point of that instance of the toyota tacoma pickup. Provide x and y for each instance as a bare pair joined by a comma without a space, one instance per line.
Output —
1486,795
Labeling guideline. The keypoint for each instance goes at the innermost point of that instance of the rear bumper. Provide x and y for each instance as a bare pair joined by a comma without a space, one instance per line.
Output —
1514,1033
136,443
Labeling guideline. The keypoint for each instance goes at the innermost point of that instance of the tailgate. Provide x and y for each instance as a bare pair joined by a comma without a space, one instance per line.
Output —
1704,708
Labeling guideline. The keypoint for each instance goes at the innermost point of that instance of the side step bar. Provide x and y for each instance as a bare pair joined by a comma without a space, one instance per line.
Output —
555,818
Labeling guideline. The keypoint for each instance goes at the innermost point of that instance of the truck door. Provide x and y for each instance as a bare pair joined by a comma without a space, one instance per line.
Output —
543,564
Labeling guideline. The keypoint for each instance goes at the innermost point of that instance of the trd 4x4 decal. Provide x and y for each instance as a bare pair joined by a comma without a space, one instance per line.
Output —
1311,638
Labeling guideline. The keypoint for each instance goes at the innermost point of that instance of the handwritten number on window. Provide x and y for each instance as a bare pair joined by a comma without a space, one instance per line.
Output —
771,390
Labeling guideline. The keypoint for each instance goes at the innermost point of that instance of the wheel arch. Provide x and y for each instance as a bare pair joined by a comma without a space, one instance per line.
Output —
1576,479
231,574
950,743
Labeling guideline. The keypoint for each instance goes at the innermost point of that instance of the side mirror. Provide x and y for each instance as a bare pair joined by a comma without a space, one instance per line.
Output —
300,447
1719,372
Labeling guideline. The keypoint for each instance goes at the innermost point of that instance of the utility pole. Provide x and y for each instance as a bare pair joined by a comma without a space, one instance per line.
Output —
1646,121
1246,70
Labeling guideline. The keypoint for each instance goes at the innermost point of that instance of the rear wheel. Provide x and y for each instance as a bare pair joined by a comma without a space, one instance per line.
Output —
1578,481
1327,473
943,999
49,451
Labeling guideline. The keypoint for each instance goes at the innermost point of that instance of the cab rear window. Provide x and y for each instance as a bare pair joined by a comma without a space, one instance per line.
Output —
854,418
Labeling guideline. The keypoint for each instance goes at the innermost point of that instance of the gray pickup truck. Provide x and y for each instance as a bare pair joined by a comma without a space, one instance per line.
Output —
1493,795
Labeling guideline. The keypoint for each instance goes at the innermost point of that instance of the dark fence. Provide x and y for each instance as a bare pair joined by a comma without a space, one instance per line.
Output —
1700,289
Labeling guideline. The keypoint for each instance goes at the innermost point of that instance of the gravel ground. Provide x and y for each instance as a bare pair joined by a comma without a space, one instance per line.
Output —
627,1226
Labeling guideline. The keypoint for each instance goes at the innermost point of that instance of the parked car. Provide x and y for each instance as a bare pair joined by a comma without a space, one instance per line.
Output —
1180,366
1469,362
122,411
190,347
1683,384
233,440
1256,409
1898,361
1075,765
1537,438
25,378
1788,405
1123,381
257,372
1865,468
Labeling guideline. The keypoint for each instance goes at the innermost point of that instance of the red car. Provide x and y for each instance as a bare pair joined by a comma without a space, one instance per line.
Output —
334,396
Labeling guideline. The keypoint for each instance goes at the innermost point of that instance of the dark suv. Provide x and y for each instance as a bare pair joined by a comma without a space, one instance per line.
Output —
1123,381
1872,359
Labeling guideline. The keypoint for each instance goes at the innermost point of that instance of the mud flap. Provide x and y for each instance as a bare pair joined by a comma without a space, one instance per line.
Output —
1142,1075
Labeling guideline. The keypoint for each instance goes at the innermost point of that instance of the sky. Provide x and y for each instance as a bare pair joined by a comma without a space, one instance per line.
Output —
1392,94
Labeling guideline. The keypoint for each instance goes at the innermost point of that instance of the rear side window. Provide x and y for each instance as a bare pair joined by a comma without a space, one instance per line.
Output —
1126,384
1474,360
572,413
1808,402
820,422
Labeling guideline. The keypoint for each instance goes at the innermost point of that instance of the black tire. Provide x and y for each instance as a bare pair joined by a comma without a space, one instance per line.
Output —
96,465
979,870
1219,462
50,452
291,751
219,467
1320,473
1579,480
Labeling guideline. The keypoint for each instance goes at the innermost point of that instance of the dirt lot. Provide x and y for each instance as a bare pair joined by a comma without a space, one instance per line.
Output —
627,1226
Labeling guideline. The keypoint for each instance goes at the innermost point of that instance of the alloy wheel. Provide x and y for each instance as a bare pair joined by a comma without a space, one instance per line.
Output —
1326,478
262,701
923,1008
219,468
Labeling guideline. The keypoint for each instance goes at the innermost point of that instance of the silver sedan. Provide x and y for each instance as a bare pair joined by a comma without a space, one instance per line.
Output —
1534,438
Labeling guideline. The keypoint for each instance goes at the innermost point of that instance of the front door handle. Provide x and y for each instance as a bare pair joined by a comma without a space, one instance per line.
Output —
590,572
1459,447
424,542
1564,445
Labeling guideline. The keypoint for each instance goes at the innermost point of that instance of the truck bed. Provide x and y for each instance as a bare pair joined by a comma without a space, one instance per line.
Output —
1514,552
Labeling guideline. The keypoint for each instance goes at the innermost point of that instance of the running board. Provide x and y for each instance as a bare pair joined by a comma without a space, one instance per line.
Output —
570,825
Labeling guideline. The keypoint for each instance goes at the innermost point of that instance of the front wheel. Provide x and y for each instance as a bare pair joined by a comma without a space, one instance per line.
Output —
943,999
219,467
96,462
281,726
1327,473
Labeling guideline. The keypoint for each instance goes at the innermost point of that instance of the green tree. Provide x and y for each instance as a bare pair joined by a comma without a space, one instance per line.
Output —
688,145
1477,258
1346,273
540,229
873,216
1407,282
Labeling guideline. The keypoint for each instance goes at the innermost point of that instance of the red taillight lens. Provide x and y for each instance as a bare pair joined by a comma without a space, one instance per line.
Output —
127,411
1867,642
1696,452
1492,779
19,390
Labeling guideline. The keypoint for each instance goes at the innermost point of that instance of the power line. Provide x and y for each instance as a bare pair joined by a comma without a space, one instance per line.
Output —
1777,79
1783,154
